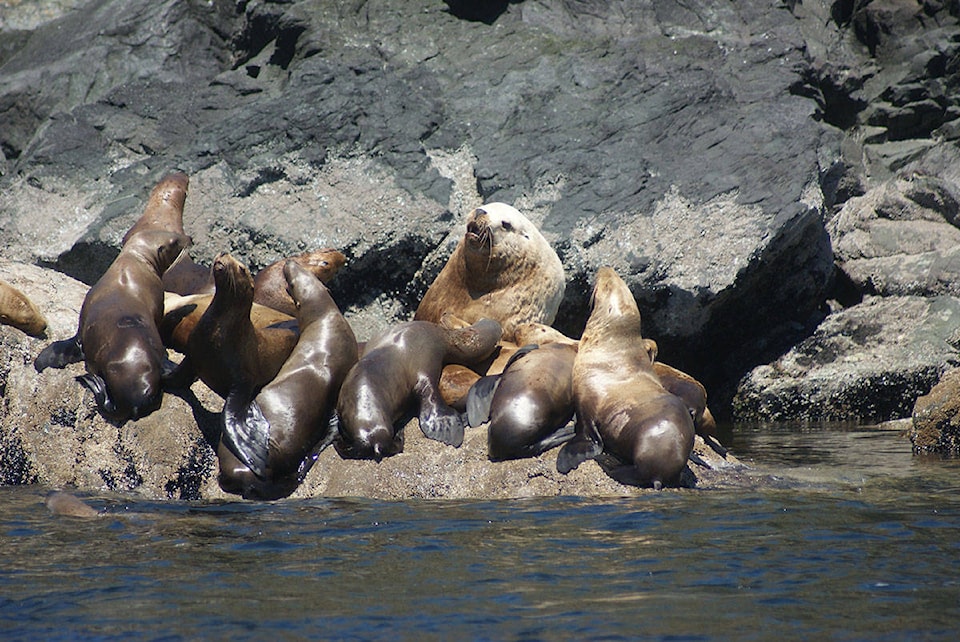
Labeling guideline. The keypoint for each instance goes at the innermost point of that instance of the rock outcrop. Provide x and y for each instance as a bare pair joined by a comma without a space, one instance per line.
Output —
778,184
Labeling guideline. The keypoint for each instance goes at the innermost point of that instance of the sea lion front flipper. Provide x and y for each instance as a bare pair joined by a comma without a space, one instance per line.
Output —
438,421
586,444
561,436
59,354
177,376
245,431
96,385
479,399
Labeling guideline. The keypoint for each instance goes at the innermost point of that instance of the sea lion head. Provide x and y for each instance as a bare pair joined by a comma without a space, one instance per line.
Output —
128,386
232,277
323,263
304,288
539,334
17,310
612,307
497,244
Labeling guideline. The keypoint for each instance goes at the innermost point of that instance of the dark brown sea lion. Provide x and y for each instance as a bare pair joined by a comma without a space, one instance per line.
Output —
529,405
502,269
269,443
164,211
397,376
225,349
118,334
17,310
622,408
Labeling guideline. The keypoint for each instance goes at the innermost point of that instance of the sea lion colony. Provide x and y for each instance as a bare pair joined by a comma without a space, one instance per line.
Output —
480,351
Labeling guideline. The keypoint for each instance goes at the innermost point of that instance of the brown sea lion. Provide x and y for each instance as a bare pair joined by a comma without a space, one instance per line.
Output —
17,310
225,349
398,376
502,269
182,313
118,334
270,286
66,504
622,408
269,443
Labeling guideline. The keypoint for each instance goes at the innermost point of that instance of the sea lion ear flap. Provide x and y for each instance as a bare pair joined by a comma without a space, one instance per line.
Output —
246,432
96,385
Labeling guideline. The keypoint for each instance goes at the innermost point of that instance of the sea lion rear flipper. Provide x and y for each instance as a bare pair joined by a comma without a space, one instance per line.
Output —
439,421
562,435
96,385
586,444
527,349
479,399
59,354
246,432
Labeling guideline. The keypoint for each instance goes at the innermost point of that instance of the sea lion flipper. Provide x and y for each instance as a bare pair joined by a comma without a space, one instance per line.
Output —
561,436
178,376
586,444
246,432
96,385
479,399
527,349
439,421
59,354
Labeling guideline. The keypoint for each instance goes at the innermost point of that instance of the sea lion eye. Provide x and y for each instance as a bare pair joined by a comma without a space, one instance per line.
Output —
507,225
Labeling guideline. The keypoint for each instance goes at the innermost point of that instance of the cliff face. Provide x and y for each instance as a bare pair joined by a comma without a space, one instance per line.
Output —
778,183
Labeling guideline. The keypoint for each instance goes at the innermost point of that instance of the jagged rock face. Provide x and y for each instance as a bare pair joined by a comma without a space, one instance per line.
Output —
663,139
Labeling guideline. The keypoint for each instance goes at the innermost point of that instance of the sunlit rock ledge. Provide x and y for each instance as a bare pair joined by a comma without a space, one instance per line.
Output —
52,434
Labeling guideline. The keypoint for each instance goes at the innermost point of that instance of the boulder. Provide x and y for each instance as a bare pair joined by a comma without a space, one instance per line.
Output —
936,418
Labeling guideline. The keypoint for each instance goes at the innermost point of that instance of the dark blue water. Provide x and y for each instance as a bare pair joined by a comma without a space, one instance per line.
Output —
842,535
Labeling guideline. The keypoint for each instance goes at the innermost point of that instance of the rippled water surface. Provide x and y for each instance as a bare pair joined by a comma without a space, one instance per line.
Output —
845,536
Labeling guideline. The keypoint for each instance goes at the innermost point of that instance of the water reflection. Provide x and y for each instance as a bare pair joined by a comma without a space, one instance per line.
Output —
856,539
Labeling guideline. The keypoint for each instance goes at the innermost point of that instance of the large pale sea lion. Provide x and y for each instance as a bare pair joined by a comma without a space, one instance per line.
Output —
397,377
17,310
225,349
502,269
270,442
622,408
118,334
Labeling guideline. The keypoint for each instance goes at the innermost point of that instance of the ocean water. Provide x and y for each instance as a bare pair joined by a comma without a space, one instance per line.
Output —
844,536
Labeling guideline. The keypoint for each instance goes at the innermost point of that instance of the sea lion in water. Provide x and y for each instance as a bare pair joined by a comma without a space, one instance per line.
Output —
61,503
265,451
17,310
622,408
398,373
118,334
502,269
225,349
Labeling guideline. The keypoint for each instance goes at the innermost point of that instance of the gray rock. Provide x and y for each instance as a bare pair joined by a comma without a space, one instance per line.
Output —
868,362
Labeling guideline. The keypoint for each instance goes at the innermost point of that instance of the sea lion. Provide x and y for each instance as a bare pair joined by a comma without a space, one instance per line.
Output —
118,334
164,211
66,504
225,349
270,286
182,313
502,269
529,405
17,310
398,374
622,408
265,450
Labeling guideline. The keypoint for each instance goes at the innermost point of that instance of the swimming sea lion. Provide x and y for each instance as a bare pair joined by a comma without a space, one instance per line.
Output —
502,269
225,349
265,451
62,503
118,334
622,408
17,310
397,375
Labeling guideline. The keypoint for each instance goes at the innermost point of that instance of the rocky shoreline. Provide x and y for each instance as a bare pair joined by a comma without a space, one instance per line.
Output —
779,187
